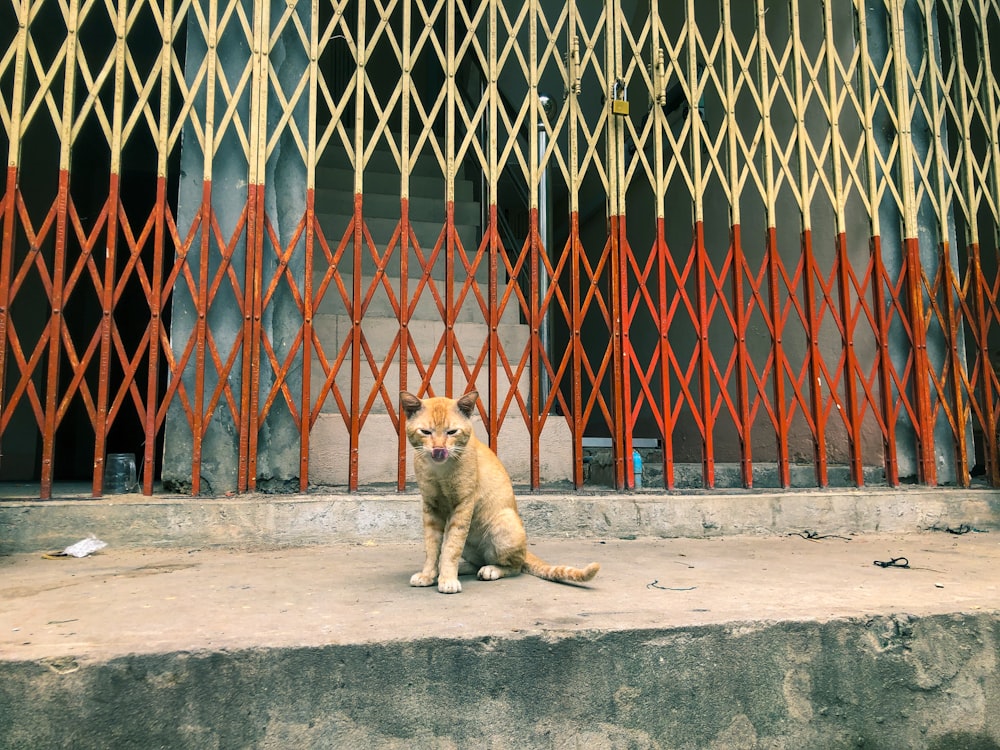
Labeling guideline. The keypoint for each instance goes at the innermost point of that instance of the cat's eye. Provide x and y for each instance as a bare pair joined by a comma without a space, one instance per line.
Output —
425,432
453,431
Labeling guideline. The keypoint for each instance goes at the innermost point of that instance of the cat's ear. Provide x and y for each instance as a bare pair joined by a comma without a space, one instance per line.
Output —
468,402
410,403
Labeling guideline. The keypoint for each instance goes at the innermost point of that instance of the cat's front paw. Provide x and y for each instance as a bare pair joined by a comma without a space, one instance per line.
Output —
421,579
489,573
449,587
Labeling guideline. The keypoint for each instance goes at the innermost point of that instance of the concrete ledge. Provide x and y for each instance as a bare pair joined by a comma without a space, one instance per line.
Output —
879,682
252,521
756,641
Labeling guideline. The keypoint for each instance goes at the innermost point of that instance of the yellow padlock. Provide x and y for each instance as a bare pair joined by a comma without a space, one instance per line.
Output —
619,98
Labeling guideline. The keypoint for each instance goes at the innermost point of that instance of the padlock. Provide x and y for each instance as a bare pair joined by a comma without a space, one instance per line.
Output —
619,98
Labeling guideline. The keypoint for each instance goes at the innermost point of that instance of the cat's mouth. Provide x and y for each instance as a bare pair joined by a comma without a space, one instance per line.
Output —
439,454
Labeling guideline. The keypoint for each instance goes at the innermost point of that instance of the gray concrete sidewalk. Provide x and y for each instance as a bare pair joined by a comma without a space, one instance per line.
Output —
143,601
288,622
770,641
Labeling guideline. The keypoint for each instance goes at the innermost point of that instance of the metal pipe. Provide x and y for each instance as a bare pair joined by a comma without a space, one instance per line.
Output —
545,232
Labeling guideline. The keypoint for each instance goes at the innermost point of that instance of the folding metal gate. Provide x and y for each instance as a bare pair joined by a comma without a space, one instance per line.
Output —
782,256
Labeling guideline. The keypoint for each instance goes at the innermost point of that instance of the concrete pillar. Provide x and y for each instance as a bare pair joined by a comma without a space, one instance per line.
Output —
285,190
924,139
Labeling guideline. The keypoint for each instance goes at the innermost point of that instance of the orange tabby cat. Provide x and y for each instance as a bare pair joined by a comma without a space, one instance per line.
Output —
470,514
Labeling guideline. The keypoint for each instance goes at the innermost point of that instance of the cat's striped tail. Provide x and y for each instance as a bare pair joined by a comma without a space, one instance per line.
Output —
560,573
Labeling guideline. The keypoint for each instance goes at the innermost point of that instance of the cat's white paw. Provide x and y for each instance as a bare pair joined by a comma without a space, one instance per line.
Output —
449,587
489,573
419,579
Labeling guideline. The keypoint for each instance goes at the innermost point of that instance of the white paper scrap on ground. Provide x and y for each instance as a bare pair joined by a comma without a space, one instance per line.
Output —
85,547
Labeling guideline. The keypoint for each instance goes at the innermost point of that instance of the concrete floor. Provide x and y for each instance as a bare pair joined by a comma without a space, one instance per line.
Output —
279,622
124,601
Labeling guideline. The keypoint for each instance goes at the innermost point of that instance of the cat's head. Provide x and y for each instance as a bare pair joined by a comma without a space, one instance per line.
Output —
438,428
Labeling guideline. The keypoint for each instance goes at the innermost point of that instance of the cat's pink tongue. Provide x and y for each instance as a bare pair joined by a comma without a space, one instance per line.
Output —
439,454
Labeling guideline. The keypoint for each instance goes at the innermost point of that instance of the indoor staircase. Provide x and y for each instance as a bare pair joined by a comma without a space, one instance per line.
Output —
329,451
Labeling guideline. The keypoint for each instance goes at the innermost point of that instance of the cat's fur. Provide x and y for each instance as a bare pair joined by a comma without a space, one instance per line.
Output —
470,515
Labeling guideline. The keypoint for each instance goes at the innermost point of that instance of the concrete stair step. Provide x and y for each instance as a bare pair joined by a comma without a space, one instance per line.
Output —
382,159
330,515
390,382
427,231
427,234
424,335
388,183
424,207
426,308
330,449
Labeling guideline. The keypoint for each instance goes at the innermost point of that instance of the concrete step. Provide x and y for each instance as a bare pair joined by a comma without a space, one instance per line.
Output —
426,307
427,234
326,516
329,445
390,384
339,200
380,158
425,335
471,339
730,642
388,183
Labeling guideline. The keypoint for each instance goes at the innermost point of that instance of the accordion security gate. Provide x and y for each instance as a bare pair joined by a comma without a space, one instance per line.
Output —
782,256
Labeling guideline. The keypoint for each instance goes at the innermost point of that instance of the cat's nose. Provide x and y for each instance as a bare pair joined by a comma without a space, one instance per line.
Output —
439,454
